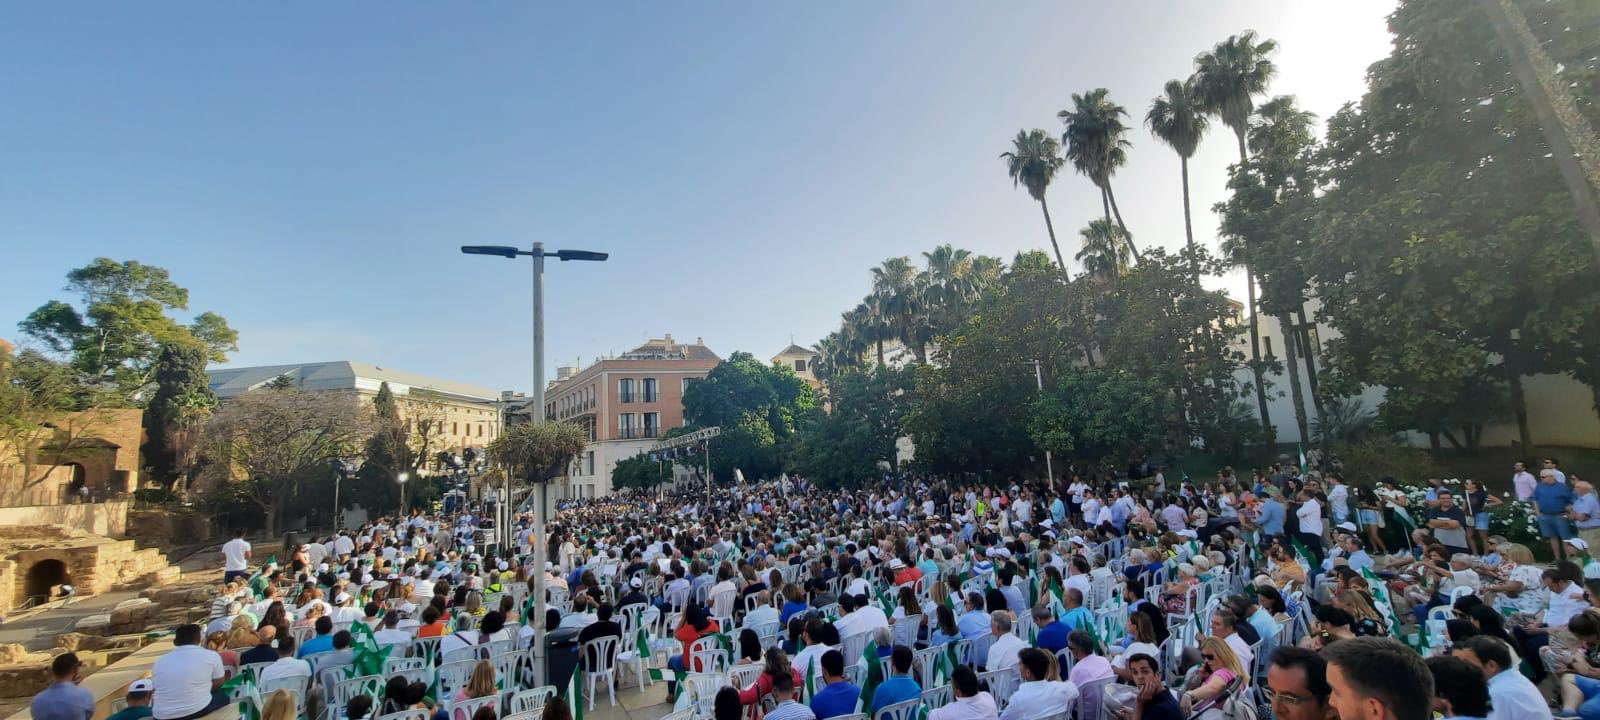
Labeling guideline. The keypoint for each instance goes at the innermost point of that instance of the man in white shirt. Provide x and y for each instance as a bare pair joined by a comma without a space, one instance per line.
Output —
391,634
235,559
968,701
1005,646
187,678
1310,516
1037,697
1338,499
1078,575
287,666
1511,695
1523,481
346,610
764,613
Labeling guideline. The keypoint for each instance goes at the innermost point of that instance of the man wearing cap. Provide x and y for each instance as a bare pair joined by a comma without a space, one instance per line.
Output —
64,700
138,698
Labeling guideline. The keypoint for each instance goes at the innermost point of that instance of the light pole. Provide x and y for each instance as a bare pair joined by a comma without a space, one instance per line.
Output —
402,478
536,414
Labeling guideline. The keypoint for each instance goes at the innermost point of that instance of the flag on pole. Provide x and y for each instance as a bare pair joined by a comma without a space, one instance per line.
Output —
874,672
575,695
811,678
1380,598
1302,457
642,646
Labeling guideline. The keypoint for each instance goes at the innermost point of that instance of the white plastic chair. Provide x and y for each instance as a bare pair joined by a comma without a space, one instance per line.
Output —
703,687
1002,684
465,709
907,710
600,663
936,698
532,699
906,629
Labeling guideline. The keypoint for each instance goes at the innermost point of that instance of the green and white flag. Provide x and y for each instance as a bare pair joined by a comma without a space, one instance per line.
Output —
575,696
1380,598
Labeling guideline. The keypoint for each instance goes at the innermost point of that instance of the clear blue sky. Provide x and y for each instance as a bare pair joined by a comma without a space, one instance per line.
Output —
308,169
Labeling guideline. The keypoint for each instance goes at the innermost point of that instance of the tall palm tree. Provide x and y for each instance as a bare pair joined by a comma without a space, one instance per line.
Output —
897,284
948,285
1033,161
865,324
1228,78
1096,146
1178,119
1106,251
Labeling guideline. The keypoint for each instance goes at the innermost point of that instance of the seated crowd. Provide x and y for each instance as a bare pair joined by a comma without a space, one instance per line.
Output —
1290,595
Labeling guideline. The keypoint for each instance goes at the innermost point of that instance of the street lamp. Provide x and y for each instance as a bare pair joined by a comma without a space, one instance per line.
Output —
536,414
402,478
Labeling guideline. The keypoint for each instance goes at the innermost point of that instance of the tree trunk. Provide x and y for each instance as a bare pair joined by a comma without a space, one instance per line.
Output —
1452,438
1051,228
1244,155
880,353
1291,358
1519,406
1310,356
1433,441
1556,111
1188,225
1255,353
1111,197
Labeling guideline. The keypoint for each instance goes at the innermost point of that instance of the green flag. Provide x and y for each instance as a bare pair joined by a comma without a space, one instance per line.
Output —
642,646
575,695
811,675
874,672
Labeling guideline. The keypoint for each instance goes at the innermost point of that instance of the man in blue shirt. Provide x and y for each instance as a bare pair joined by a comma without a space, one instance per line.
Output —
974,623
839,696
64,700
1077,617
1553,500
1270,519
323,642
899,687
1052,635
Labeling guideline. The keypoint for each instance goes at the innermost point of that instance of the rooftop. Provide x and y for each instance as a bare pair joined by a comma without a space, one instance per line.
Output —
341,375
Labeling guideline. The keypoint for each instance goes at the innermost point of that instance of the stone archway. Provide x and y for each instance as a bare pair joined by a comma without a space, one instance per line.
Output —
43,577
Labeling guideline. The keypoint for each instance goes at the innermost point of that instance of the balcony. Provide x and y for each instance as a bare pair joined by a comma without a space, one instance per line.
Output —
635,433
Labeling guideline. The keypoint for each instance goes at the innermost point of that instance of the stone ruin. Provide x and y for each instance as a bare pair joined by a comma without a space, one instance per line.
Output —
36,560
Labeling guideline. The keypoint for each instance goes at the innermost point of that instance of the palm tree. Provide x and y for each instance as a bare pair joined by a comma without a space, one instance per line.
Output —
949,287
1106,251
1096,146
1230,76
898,286
1033,162
1227,80
1178,119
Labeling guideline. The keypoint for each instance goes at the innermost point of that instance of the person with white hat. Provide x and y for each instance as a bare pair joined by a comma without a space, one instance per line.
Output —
138,699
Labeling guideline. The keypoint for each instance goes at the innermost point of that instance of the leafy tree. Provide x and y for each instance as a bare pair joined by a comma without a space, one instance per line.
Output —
178,409
1178,118
1106,251
758,406
268,446
39,419
1033,161
114,339
536,452
1449,258
281,382
843,444
1096,146
639,471
1227,79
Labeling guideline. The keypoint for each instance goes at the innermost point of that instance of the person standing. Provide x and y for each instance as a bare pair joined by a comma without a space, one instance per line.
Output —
1309,515
1338,499
64,700
1553,499
235,558
1523,481
1586,511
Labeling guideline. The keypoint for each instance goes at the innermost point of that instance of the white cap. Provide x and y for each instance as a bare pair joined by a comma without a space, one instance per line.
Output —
142,685
1578,543
1347,525
636,582
341,598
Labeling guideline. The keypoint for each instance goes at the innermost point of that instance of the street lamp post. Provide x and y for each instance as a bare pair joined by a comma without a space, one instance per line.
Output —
402,478
536,413
1038,379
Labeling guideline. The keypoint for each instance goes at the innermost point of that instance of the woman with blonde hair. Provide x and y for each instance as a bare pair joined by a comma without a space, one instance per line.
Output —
481,684
278,706
1367,621
1219,675
242,634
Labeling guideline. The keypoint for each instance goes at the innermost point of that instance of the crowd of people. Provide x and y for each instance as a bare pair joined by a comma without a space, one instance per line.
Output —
1289,594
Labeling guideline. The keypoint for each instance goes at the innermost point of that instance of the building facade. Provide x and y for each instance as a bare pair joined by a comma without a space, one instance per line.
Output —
469,414
801,361
626,403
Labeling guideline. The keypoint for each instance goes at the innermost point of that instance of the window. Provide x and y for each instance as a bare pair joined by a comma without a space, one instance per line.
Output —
689,381
454,430
588,463
650,390
652,424
625,390
800,365
625,426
